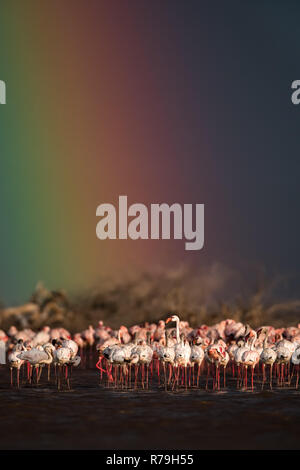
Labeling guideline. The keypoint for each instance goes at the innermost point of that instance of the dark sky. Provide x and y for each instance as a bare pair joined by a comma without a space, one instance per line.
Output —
252,57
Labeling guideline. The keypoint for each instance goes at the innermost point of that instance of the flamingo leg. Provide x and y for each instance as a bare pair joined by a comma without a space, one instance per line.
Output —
143,375
271,370
67,377
263,376
101,371
170,373
147,375
198,374
238,376
116,375
176,376
58,377
121,376
165,378
292,374
136,370
40,373
208,367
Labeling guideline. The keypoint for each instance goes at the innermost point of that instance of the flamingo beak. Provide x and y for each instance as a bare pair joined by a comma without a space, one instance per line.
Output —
168,320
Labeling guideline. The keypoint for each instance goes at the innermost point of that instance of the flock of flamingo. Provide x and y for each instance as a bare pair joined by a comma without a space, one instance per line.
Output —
158,355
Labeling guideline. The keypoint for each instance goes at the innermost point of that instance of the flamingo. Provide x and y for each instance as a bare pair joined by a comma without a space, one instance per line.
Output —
284,353
145,353
167,356
176,319
63,356
182,358
268,356
295,360
251,357
154,346
197,356
72,345
15,362
243,346
182,350
37,357
41,337
215,354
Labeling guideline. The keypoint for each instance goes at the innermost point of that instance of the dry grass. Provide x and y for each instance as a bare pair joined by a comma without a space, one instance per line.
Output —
199,297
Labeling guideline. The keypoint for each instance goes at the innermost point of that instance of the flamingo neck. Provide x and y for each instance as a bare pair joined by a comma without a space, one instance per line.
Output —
177,331
49,360
253,341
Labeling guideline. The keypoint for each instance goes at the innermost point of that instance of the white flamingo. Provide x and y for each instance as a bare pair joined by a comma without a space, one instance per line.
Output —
295,360
38,357
251,357
15,362
268,356
182,358
197,356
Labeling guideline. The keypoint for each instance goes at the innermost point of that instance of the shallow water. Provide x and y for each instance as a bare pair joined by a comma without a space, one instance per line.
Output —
92,416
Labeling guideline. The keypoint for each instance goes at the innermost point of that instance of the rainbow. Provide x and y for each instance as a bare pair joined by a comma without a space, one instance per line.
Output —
93,110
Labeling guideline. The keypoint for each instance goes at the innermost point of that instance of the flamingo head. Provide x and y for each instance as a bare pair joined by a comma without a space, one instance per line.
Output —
213,353
252,335
222,351
172,318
